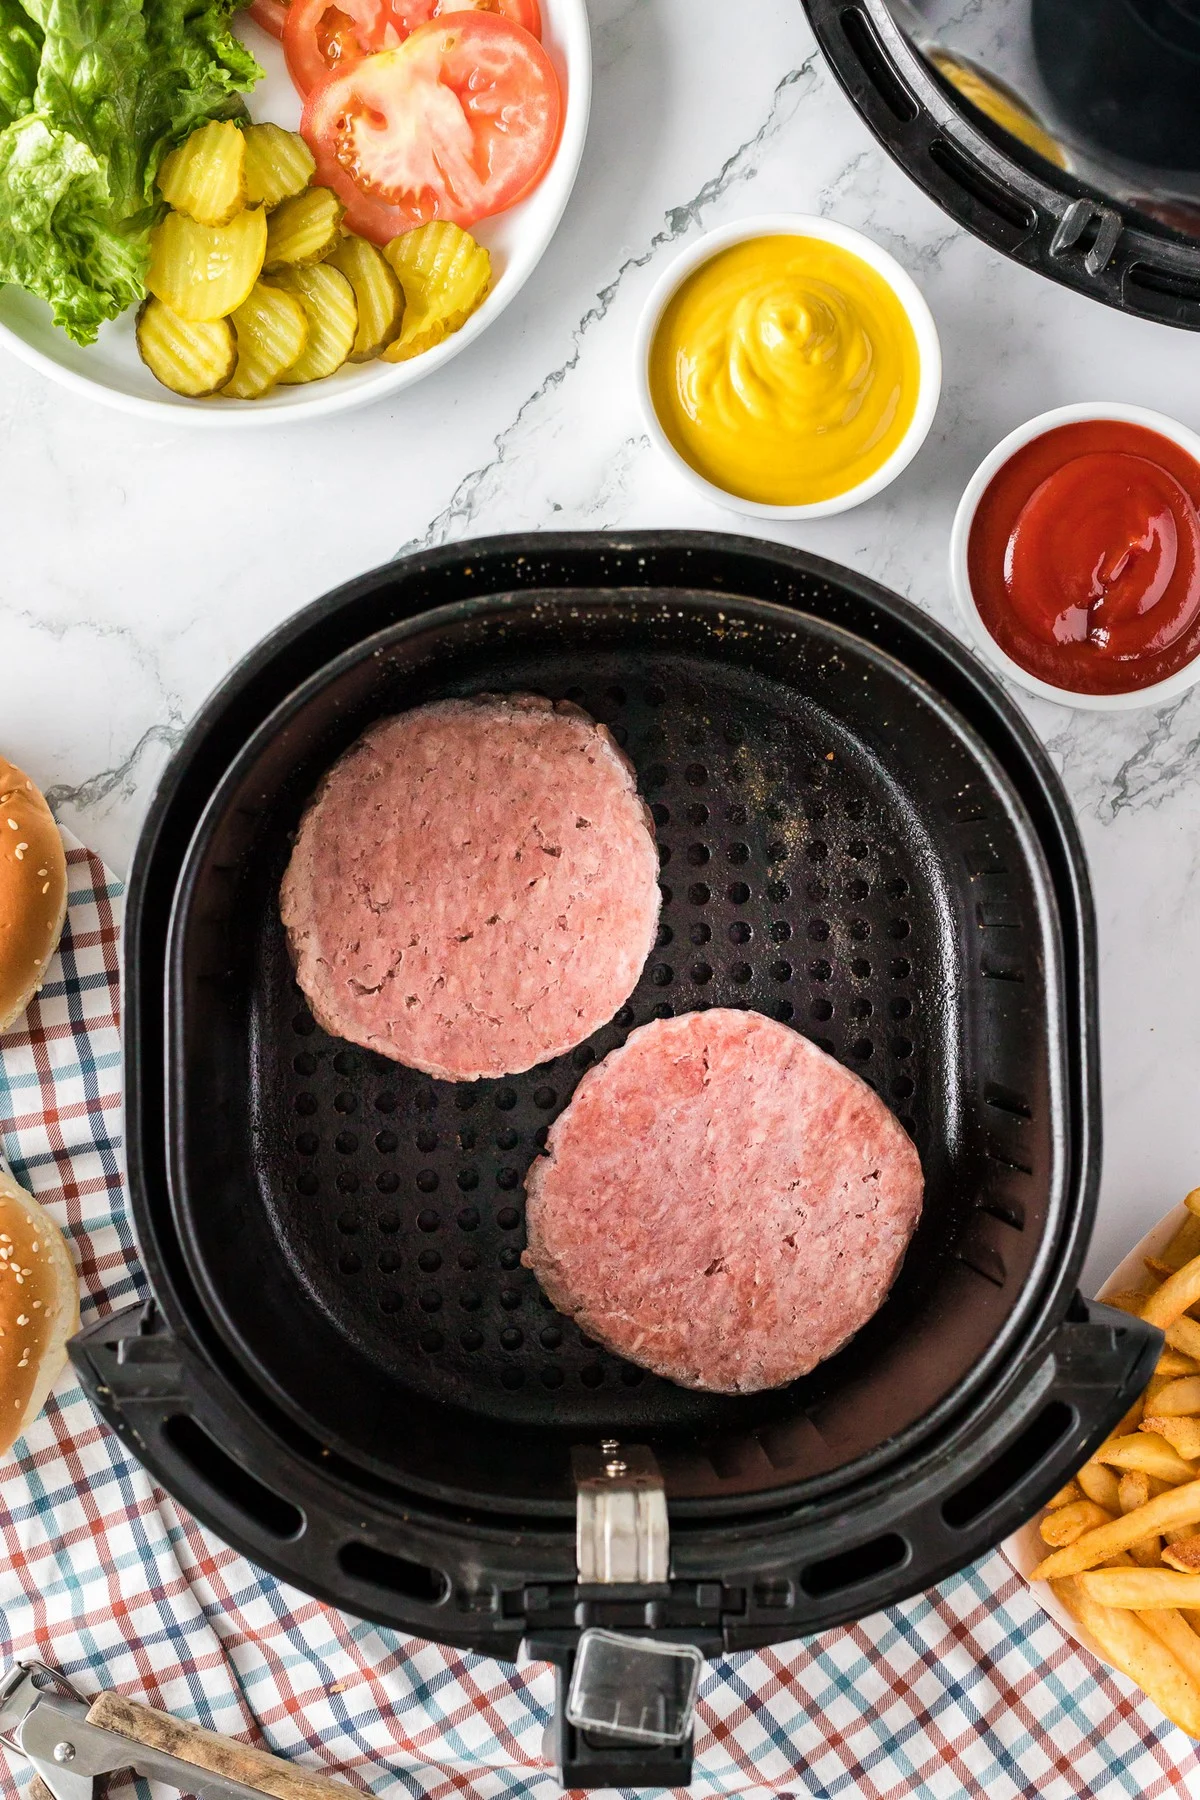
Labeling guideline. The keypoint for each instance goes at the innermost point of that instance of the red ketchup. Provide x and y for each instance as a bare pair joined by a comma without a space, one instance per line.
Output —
1084,557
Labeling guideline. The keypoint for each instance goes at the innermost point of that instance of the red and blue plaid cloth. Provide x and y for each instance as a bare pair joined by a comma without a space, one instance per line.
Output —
969,1690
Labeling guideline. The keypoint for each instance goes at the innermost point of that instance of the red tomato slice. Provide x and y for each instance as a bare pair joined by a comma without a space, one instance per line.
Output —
322,35
270,14
459,122
525,13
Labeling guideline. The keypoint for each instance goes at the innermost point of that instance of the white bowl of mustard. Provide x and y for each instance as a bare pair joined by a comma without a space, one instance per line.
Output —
788,366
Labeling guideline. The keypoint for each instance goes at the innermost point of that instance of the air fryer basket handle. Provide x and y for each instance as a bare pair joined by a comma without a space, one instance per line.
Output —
1093,1368
1099,1361
1061,1404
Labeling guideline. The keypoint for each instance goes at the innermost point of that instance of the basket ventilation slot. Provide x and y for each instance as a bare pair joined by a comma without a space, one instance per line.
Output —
996,1155
1007,1212
851,1567
376,1568
1011,1468
982,187
228,1479
1004,1100
1166,294
863,39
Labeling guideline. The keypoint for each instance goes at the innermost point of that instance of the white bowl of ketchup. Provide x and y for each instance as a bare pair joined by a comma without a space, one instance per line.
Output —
1075,557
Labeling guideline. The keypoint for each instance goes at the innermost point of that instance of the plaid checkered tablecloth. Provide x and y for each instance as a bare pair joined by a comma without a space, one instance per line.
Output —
969,1690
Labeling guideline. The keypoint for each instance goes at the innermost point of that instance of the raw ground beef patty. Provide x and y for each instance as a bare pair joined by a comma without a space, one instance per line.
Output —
474,887
722,1202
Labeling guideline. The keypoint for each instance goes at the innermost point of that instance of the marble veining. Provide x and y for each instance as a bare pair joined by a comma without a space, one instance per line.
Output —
140,561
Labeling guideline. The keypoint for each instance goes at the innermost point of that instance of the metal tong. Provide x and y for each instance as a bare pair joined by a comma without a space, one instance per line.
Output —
70,1741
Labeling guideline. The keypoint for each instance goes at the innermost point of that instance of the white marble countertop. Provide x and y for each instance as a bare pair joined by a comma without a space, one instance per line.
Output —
140,562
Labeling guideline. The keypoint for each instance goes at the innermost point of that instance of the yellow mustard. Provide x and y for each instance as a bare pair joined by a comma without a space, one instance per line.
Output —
785,370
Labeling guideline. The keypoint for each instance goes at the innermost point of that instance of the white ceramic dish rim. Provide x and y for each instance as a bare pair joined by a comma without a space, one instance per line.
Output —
1025,1549
981,638
898,279
384,379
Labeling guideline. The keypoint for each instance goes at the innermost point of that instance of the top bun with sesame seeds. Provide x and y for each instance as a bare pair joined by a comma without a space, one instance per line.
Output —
33,891
39,1307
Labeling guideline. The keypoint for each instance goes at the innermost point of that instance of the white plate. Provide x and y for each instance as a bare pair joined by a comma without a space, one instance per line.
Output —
111,370
1025,1549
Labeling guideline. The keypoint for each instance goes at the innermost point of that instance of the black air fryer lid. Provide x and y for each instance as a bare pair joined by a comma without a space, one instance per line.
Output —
1065,133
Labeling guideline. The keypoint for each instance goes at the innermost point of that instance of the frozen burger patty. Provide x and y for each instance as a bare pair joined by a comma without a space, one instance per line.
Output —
722,1202
474,887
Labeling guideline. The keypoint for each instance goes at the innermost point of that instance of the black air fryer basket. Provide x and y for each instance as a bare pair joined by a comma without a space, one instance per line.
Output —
347,1373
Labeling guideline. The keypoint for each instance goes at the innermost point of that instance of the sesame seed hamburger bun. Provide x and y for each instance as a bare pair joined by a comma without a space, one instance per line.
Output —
33,891
39,1307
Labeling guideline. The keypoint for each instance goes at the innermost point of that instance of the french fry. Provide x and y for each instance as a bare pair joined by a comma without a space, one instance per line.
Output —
1175,1632
1146,1451
1184,1335
1179,1399
1192,1201
1141,1589
1179,1506
1135,1488
1183,1435
1174,1363
1185,1244
1131,1421
1068,1523
1179,1292
1184,1555
1138,1652
1154,1388
1100,1485
1066,1496
1160,1268
1127,1302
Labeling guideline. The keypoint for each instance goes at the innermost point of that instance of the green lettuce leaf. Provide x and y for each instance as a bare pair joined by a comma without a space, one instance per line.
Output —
87,120
20,53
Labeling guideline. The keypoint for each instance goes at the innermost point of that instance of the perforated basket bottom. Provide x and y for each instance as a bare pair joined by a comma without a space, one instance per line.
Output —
793,882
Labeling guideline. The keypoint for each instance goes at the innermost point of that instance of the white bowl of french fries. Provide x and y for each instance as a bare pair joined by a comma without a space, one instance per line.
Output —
1115,1555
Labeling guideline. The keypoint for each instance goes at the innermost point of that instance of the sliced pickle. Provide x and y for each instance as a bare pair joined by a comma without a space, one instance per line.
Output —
206,271
328,300
188,356
206,177
272,331
278,164
445,275
303,230
378,293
